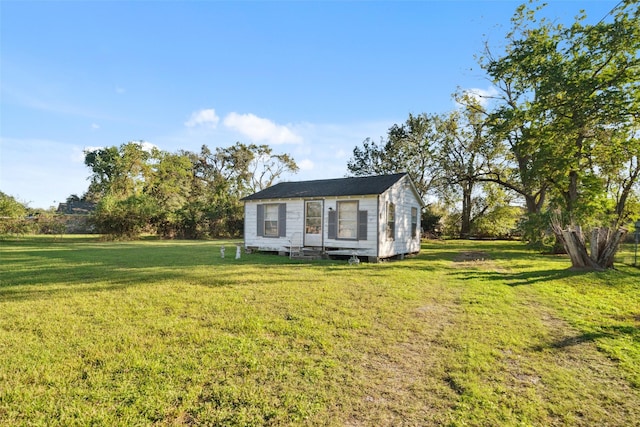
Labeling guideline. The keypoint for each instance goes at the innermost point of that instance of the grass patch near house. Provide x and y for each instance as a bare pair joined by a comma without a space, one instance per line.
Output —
168,333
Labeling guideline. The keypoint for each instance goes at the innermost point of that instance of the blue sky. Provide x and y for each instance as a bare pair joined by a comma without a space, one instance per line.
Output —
312,79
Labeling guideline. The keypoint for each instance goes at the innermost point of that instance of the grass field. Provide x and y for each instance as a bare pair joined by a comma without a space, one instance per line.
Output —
168,333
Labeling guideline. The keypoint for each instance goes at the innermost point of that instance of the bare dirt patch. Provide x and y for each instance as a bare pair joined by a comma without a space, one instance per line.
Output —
476,260
404,379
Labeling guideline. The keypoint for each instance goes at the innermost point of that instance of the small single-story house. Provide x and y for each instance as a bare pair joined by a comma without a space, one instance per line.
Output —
373,216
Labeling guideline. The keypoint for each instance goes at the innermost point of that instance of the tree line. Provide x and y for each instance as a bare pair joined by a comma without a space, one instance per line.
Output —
178,195
136,188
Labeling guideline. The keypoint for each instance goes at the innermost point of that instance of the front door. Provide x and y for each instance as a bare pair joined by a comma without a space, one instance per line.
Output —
313,223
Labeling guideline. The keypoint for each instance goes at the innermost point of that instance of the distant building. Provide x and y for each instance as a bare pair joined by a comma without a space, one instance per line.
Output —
74,214
76,207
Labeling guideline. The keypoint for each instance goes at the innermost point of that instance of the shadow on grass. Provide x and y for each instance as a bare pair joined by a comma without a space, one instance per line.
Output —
33,264
613,331
516,279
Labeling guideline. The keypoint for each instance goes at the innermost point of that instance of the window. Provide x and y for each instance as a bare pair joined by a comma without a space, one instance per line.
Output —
272,220
348,220
414,222
391,221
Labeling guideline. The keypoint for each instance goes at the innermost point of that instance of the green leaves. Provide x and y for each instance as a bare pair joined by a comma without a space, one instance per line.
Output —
184,194
568,92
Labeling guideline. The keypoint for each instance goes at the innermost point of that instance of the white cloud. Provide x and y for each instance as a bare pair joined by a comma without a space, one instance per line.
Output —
120,90
205,117
259,129
147,146
305,165
95,126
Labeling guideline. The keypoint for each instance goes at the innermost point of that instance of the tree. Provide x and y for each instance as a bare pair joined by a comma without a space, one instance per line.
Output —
168,184
10,207
185,194
500,216
577,109
220,178
524,156
464,157
370,159
409,147
118,180
448,157
125,217
12,216
117,170
104,163
266,167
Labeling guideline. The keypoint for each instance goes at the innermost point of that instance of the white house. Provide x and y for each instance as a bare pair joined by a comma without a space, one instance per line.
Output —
374,216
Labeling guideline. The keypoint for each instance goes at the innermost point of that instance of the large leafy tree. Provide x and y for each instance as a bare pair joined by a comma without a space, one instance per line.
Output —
572,109
465,156
448,157
218,180
525,157
221,177
119,180
184,194
117,170
168,185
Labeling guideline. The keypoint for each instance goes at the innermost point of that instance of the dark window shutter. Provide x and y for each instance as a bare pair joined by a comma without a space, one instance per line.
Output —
260,220
282,220
332,229
362,225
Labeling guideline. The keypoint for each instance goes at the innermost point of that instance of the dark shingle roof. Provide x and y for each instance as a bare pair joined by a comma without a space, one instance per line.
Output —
355,186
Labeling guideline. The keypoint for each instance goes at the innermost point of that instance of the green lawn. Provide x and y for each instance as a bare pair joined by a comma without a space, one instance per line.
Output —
168,333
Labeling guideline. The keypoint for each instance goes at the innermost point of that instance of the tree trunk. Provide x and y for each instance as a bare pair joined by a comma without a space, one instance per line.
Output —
465,227
604,245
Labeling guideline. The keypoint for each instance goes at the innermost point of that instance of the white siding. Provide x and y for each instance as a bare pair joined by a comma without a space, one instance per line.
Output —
295,219
404,198
364,247
376,245
295,224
